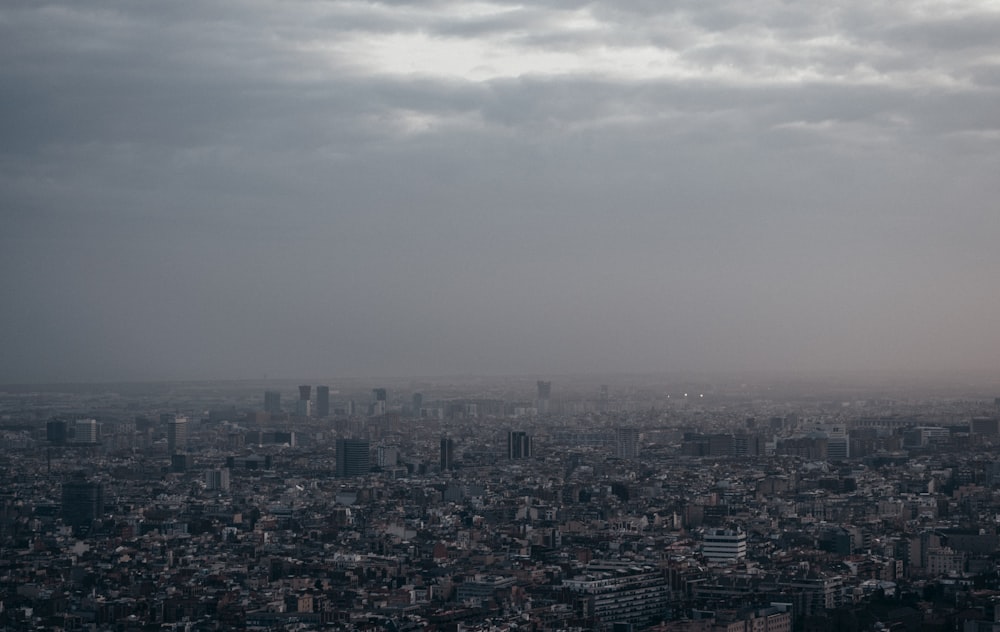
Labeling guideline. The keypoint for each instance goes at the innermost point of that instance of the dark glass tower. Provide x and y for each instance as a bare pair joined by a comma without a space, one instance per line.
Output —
447,453
272,402
323,401
352,458
518,445
82,502
177,435
55,432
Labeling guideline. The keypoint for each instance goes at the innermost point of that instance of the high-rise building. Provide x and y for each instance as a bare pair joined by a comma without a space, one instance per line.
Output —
352,458
387,456
323,401
272,402
447,453
417,404
544,393
518,445
82,501
217,480
720,444
627,443
55,432
747,444
177,434
85,431
379,401
838,443
303,408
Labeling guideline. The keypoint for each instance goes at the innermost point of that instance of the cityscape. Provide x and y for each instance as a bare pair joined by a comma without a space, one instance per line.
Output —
494,316
634,503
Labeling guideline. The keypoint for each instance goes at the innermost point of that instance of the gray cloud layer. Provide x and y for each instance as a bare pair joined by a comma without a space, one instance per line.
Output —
237,189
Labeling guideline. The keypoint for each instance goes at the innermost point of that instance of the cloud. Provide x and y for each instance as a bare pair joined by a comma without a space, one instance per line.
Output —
231,189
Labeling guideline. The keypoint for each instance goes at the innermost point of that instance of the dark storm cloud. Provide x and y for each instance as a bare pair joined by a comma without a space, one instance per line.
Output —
195,190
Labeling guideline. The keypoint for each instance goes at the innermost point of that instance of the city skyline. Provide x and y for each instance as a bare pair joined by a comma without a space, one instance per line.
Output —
240,191
750,507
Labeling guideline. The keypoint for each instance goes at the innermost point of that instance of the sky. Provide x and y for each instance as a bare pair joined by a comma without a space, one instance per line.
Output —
224,190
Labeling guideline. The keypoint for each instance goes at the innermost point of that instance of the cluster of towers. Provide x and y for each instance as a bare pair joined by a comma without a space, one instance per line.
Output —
354,456
304,404
378,406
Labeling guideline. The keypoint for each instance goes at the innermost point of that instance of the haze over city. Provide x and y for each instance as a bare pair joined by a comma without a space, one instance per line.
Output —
264,190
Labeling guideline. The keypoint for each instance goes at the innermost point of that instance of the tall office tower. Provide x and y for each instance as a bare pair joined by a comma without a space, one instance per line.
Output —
272,402
418,403
55,432
518,445
82,501
387,456
627,443
217,480
379,401
86,430
603,402
323,401
544,392
352,458
303,408
177,434
838,443
447,453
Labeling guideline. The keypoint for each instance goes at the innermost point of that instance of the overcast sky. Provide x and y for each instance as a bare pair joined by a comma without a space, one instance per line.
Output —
243,189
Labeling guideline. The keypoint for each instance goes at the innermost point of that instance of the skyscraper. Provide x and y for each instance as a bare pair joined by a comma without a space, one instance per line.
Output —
177,434
544,393
627,443
303,407
447,453
85,430
387,456
417,404
55,432
352,458
518,445
82,501
323,401
272,402
217,480
379,401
